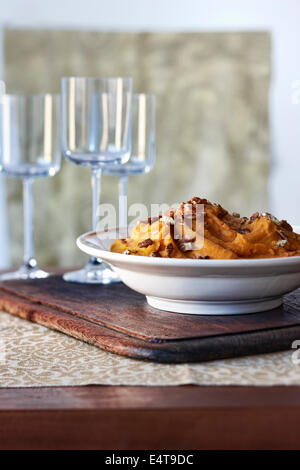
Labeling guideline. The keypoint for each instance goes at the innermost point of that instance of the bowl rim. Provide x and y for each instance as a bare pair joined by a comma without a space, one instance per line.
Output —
110,256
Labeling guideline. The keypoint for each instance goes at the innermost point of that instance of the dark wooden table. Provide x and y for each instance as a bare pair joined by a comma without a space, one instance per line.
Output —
186,417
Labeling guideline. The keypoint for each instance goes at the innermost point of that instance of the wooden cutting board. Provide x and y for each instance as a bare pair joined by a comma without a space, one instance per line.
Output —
119,320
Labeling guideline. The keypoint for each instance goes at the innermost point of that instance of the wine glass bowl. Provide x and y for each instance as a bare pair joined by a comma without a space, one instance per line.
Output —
30,135
142,155
96,120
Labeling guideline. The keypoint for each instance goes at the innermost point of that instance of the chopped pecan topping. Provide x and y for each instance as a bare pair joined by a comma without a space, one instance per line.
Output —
286,225
271,217
155,254
169,249
281,242
145,243
236,214
124,240
254,216
282,234
222,212
203,257
129,252
198,200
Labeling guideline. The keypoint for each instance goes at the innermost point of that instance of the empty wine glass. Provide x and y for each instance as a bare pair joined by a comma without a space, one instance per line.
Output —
29,148
142,156
96,131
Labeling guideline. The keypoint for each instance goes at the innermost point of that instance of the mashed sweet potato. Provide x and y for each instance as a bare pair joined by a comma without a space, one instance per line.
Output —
215,234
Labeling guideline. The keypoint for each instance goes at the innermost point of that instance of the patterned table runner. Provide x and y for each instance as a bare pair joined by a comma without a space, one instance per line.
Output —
32,356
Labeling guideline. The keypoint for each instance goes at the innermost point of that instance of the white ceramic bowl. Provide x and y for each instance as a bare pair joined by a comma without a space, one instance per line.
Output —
207,287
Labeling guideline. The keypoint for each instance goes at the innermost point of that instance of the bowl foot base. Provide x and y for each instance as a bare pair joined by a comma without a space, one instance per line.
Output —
196,307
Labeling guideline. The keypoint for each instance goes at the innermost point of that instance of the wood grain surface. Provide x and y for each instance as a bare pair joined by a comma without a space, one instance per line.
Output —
117,319
187,417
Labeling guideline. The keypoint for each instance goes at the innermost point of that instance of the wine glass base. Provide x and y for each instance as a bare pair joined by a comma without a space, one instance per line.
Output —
24,273
92,274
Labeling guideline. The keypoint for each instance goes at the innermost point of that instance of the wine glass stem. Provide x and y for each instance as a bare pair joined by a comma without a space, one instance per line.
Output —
29,260
96,191
123,206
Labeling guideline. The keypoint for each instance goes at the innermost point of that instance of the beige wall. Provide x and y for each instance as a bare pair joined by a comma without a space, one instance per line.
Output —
212,121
